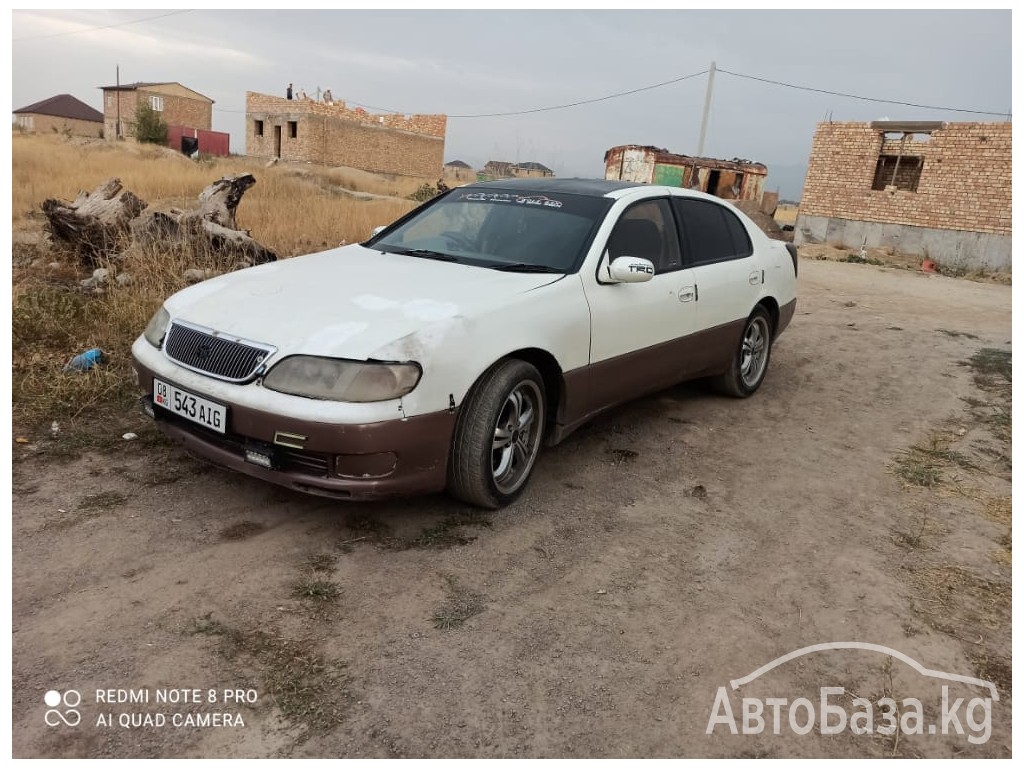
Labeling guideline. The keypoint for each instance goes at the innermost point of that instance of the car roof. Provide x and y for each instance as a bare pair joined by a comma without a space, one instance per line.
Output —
588,187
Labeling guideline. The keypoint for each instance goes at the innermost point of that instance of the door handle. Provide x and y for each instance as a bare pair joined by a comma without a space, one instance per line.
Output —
688,293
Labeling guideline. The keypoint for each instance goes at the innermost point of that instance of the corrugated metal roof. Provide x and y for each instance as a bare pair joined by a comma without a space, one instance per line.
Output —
64,105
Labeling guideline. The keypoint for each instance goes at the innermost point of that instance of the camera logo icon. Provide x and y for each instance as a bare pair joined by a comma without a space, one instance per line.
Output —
61,708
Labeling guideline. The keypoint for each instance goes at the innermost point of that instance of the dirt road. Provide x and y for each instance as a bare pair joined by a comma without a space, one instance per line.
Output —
674,545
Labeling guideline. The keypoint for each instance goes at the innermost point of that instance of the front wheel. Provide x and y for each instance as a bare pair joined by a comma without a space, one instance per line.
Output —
749,362
498,435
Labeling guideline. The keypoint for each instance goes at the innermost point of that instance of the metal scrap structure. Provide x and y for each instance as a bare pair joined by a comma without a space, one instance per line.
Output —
734,179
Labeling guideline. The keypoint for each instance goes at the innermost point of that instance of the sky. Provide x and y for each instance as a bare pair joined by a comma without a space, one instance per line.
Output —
473,62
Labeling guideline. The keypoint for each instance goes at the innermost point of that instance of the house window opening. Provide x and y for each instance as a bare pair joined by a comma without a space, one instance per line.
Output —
902,172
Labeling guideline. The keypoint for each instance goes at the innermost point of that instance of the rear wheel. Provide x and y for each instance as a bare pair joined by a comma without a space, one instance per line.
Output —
750,361
498,437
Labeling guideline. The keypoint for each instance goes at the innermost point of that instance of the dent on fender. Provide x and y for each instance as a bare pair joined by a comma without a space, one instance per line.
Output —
423,342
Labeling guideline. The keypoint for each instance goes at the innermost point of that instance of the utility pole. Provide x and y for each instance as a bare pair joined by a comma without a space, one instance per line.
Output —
707,109
117,95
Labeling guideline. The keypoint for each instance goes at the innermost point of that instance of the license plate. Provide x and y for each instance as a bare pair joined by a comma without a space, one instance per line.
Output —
198,409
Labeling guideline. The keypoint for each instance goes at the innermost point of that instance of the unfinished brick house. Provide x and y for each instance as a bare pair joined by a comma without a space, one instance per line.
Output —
934,189
729,179
177,105
331,134
504,169
60,114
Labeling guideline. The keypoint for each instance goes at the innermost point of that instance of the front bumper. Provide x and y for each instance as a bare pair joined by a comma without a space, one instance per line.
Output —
357,462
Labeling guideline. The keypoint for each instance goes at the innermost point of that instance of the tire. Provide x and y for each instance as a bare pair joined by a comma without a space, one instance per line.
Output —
750,361
498,436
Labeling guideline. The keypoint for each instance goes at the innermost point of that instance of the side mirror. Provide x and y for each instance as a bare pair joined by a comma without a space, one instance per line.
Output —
629,269
377,231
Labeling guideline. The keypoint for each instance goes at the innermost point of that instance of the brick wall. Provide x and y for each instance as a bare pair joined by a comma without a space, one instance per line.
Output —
181,110
128,100
964,182
177,110
51,124
333,134
531,173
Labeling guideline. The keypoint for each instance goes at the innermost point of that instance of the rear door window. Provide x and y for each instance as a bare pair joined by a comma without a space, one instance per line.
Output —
710,232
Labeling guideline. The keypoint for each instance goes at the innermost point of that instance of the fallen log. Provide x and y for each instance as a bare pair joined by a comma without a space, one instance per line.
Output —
107,221
210,230
96,224
218,202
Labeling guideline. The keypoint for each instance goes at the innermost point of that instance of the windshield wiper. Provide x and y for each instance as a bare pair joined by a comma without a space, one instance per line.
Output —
423,253
522,266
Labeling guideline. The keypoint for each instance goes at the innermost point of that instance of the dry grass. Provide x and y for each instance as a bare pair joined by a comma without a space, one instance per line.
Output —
786,214
965,595
963,599
999,509
362,181
293,210
310,690
461,604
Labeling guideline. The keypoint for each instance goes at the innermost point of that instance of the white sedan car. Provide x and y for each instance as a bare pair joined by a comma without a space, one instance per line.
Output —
443,352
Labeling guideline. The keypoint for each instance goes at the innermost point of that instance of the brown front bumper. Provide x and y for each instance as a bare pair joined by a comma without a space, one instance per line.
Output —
358,462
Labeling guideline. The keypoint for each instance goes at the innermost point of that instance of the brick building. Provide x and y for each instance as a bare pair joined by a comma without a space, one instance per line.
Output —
940,190
498,169
729,179
331,134
504,169
531,171
176,104
459,171
60,114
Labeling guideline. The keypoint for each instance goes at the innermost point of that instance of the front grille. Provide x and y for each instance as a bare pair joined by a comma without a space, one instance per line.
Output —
208,352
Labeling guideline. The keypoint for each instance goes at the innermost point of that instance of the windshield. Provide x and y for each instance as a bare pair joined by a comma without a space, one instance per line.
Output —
502,229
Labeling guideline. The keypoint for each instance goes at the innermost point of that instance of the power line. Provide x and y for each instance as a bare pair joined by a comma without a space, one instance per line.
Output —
106,26
585,101
855,96
679,80
546,109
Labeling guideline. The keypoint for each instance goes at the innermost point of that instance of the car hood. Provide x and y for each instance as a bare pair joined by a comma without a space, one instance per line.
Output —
348,302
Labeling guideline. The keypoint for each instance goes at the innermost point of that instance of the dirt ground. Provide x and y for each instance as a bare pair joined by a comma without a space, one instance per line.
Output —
676,544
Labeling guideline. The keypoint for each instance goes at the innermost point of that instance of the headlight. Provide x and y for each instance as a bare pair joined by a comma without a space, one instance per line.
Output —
325,378
157,327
